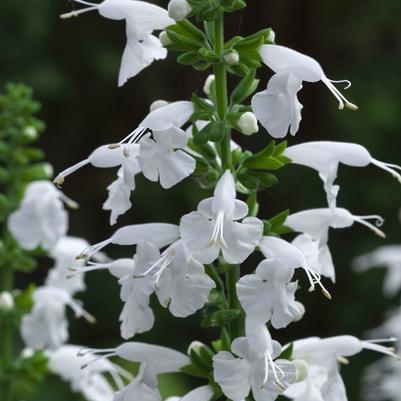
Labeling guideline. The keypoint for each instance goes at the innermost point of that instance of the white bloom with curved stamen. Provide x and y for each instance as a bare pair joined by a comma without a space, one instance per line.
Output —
41,219
388,257
323,381
162,158
142,18
278,108
268,295
245,370
325,156
183,286
46,325
214,227
290,257
91,381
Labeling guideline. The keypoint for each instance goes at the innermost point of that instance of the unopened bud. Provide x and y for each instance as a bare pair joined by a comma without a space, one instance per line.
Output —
271,38
6,301
27,353
157,104
301,368
30,132
301,311
165,39
232,57
208,83
248,123
178,9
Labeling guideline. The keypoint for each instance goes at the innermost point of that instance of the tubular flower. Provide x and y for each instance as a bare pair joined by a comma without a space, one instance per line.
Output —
389,257
268,295
142,18
91,381
323,381
40,219
278,108
46,325
214,228
325,156
245,370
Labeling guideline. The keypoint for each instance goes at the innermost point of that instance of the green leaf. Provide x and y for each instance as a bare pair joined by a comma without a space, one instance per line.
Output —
245,88
195,371
276,224
268,158
220,318
287,352
188,58
201,355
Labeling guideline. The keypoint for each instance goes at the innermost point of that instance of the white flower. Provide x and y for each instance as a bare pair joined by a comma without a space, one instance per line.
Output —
268,294
325,156
157,104
40,219
161,157
209,81
91,381
204,393
179,9
214,226
6,301
142,18
64,253
181,282
248,123
46,326
317,256
389,257
278,108
316,222
323,381
289,257
153,360
248,370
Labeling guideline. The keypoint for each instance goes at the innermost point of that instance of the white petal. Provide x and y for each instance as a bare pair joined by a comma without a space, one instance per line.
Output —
164,360
280,58
242,239
224,194
107,156
277,108
204,393
233,375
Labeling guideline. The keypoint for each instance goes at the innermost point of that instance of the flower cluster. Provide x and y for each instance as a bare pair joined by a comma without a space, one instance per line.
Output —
182,263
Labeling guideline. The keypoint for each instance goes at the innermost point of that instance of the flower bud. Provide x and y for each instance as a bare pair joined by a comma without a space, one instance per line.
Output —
302,369
27,353
208,82
178,9
157,104
30,132
232,57
271,38
165,39
248,123
6,301
301,311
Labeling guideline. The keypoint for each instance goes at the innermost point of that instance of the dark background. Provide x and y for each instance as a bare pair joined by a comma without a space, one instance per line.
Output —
73,65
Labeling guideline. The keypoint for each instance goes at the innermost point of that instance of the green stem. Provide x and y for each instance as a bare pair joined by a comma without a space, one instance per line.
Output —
6,335
221,89
232,276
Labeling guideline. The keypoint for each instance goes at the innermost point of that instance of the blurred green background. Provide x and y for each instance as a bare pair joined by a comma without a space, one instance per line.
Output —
73,65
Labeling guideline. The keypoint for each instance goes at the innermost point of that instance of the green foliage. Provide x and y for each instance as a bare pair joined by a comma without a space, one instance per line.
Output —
276,225
287,352
209,10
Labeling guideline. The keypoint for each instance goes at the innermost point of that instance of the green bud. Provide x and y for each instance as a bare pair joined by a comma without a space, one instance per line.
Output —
231,57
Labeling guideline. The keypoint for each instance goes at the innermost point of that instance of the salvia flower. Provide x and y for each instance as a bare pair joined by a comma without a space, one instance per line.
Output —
325,156
215,228
41,219
278,108
245,370
204,393
323,381
389,257
142,18
46,325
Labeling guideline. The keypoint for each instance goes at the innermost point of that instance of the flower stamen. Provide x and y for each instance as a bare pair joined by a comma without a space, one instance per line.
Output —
218,231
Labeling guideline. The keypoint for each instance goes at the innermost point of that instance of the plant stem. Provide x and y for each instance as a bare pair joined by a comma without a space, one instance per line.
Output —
6,335
221,90
232,276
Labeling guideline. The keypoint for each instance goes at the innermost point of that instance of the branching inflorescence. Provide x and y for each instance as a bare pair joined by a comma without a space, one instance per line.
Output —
196,264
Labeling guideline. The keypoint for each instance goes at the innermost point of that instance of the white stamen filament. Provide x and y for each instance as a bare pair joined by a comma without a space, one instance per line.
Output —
87,253
80,311
218,231
380,348
382,340
59,180
315,278
270,363
105,356
342,100
84,269
75,13
379,223
161,264
390,168
134,136
69,202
